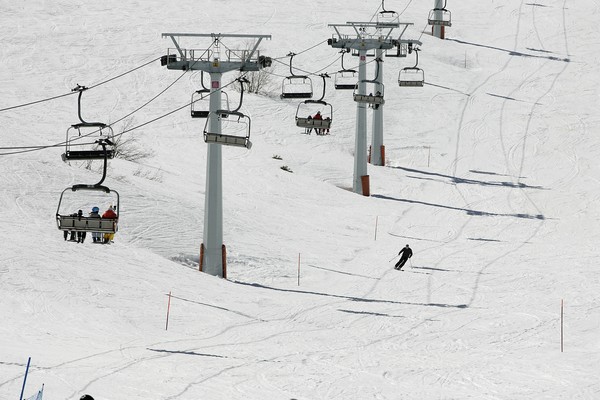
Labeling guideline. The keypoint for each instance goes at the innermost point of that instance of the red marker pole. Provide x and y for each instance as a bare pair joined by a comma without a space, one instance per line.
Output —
168,309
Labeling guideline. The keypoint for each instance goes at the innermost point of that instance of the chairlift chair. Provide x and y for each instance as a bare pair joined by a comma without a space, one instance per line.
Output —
237,125
199,110
345,79
306,108
296,86
82,138
74,223
440,16
371,99
412,76
387,16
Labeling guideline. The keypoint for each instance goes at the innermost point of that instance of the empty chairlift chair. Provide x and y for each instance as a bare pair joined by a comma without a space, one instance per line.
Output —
412,76
296,86
235,131
345,79
440,16
88,140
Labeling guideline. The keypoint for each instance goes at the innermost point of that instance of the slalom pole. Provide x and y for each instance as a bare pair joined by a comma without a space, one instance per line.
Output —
25,379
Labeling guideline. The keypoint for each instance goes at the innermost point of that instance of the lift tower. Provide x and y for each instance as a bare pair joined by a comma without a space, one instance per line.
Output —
216,62
365,36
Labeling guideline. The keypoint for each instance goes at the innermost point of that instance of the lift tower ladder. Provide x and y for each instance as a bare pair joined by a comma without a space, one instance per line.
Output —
215,61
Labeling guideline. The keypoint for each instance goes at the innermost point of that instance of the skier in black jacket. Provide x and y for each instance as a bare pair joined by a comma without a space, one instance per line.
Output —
406,254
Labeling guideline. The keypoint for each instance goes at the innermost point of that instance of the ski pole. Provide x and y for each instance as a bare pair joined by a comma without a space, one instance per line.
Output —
410,263
393,258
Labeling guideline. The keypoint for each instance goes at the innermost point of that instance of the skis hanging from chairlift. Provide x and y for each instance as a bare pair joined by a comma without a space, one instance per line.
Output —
310,122
237,125
296,86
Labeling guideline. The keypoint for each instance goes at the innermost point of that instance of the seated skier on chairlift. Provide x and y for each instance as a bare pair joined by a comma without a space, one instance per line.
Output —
318,117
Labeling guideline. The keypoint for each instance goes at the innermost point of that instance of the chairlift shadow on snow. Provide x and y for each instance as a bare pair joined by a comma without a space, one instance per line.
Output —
511,52
189,353
376,314
457,180
468,211
357,299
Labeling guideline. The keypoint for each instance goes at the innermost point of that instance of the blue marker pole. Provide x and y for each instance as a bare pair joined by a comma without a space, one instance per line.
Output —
25,379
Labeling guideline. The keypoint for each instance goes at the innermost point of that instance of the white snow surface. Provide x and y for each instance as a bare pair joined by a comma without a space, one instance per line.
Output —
491,175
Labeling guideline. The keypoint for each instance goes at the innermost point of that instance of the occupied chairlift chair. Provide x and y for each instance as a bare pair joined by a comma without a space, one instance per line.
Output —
296,86
412,76
75,223
375,99
345,79
242,123
319,125
197,105
440,16
95,130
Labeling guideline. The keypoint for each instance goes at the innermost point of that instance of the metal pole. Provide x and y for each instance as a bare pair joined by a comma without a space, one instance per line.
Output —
377,138
25,379
213,207
437,29
360,140
561,325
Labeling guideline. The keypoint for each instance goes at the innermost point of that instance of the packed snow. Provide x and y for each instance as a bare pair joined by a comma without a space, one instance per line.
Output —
491,177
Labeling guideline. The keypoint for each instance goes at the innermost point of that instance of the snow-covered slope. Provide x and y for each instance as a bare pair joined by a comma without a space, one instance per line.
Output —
491,177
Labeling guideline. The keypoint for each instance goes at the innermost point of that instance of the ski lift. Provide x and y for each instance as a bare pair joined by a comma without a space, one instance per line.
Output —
237,127
320,125
296,86
375,99
387,16
345,79
87,130
412,76
440,16
79,223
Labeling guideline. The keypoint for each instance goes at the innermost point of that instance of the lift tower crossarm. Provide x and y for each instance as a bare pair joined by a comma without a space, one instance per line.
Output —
189,61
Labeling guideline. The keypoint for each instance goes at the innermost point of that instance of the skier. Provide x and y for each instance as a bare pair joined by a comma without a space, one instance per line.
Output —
406,254
86,397
80,234
109,214
318,117
96,236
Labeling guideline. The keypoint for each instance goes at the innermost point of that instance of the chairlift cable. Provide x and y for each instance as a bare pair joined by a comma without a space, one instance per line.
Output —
71,93
28,149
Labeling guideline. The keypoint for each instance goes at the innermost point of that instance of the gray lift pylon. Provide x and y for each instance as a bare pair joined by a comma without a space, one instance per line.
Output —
216,62
367,36
381,40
